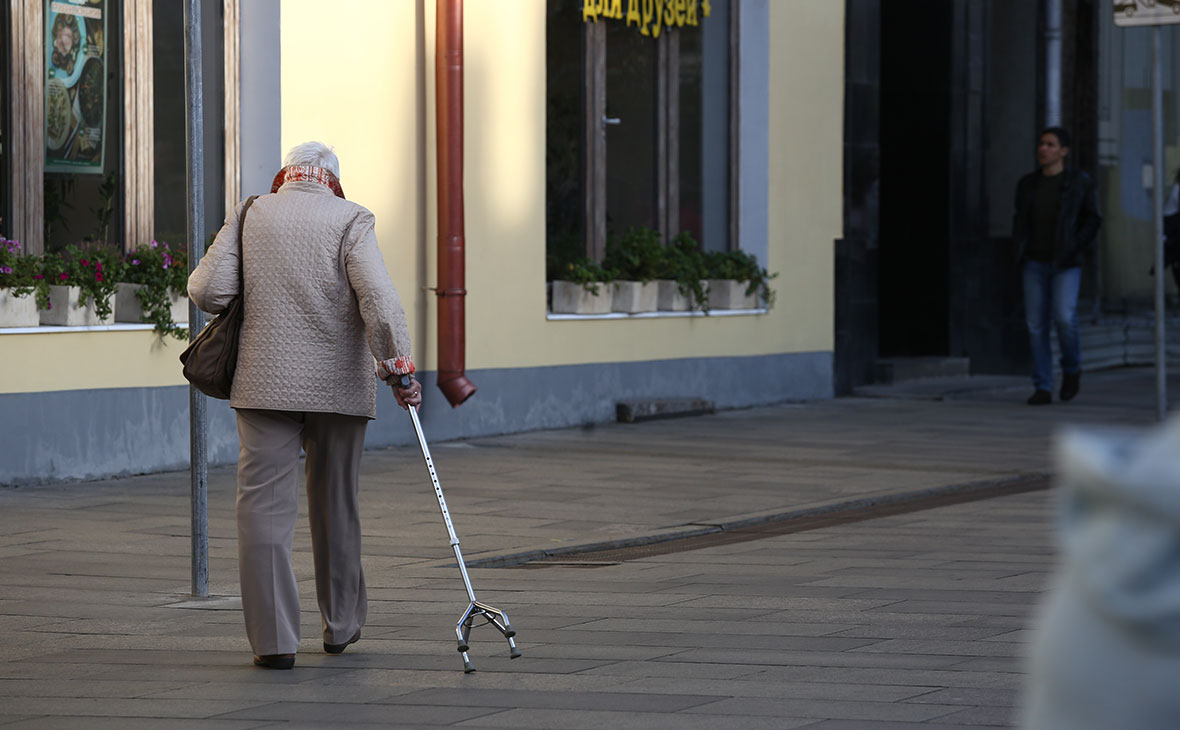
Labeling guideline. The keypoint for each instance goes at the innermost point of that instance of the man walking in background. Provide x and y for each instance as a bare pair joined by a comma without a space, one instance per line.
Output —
1056,221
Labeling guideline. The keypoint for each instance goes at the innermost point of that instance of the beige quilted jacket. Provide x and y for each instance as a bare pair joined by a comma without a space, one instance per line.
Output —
322,318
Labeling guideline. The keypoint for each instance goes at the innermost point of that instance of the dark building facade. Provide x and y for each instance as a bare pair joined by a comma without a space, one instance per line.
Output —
944,99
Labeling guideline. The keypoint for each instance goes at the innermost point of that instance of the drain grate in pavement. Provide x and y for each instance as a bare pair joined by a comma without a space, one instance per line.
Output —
856,511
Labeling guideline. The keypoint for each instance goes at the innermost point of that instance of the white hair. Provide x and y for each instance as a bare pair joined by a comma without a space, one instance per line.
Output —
313,153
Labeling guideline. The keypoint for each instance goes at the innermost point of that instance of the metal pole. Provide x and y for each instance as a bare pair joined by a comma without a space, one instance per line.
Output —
198,419
1157,133
1053,40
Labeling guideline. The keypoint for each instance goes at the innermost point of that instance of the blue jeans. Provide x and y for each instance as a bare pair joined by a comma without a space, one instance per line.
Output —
1051,295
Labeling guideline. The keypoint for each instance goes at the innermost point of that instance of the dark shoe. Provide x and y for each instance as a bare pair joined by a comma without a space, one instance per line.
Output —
338,648
275,661
1040,398
1070,386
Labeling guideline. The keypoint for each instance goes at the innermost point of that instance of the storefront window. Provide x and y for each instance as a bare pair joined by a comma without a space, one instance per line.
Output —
83,118
638,128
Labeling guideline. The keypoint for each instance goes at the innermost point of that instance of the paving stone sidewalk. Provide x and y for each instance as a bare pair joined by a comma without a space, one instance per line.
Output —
894,622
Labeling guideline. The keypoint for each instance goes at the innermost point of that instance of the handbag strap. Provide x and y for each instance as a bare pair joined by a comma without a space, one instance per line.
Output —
241,253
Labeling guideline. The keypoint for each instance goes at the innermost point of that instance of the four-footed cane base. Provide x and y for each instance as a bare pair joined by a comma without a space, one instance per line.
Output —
490,615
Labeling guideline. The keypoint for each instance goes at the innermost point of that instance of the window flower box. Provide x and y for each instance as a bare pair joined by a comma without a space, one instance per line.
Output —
633,297
730,294
66,310
669,298
18,311
571,297
129,308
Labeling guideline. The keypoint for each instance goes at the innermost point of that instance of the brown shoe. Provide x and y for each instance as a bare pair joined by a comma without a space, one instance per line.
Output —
339,648
275,661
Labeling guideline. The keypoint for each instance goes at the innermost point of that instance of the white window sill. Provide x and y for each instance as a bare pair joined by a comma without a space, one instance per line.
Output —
55,329
656,315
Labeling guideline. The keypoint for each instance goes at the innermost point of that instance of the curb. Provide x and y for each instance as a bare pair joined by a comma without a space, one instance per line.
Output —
982,489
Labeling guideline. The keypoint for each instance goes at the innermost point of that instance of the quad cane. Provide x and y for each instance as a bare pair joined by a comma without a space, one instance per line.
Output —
475,609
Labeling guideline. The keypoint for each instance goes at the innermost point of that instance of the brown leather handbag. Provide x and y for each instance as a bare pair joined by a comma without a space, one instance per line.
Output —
211,358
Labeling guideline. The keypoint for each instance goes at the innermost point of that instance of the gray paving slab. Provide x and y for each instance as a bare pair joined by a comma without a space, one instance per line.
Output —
343,714
618,701
541,719
918,618
834,709
131,723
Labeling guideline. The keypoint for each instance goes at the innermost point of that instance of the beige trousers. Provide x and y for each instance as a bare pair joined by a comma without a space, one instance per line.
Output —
267,507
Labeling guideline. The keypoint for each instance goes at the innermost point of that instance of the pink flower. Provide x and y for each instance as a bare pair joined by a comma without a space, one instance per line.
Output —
98,276
85,262
154,244
63,276
135,262
38,276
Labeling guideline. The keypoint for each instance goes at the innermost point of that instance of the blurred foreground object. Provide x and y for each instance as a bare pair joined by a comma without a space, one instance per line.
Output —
1107,649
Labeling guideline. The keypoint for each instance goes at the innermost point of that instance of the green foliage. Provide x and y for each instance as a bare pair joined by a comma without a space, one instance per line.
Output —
93,268
685,263
162,271
741,266
21,273
564,261
637,255
640,255
587,273
560,251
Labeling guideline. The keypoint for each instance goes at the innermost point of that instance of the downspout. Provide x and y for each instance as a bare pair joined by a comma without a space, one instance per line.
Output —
451,291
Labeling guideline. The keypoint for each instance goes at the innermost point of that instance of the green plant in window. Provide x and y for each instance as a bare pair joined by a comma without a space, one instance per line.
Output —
684,262
94,268
587,273
21,273
163,272
637,255
742,267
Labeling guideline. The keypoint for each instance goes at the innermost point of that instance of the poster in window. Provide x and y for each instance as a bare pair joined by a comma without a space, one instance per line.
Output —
75,85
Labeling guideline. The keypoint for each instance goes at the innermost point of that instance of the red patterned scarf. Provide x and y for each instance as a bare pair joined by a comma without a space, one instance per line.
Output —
311,173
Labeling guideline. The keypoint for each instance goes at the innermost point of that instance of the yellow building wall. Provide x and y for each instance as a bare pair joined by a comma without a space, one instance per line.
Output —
374,103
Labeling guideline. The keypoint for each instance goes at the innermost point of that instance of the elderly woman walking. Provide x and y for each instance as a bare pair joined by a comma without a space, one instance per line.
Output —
322,323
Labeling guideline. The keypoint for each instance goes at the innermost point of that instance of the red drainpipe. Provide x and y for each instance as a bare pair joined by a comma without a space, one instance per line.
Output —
448,74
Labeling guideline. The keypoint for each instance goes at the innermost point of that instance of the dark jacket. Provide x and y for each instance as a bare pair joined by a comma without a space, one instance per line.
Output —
1078,217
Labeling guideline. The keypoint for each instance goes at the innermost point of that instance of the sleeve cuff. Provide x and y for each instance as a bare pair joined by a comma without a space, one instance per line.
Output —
403,365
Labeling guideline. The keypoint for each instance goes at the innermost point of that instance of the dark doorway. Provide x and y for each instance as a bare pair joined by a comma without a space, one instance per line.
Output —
915,143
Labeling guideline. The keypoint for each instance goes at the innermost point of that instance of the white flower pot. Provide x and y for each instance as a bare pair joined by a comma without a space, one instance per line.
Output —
633,297
18,311
129,309
730,294
572,298
64,309
669,298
